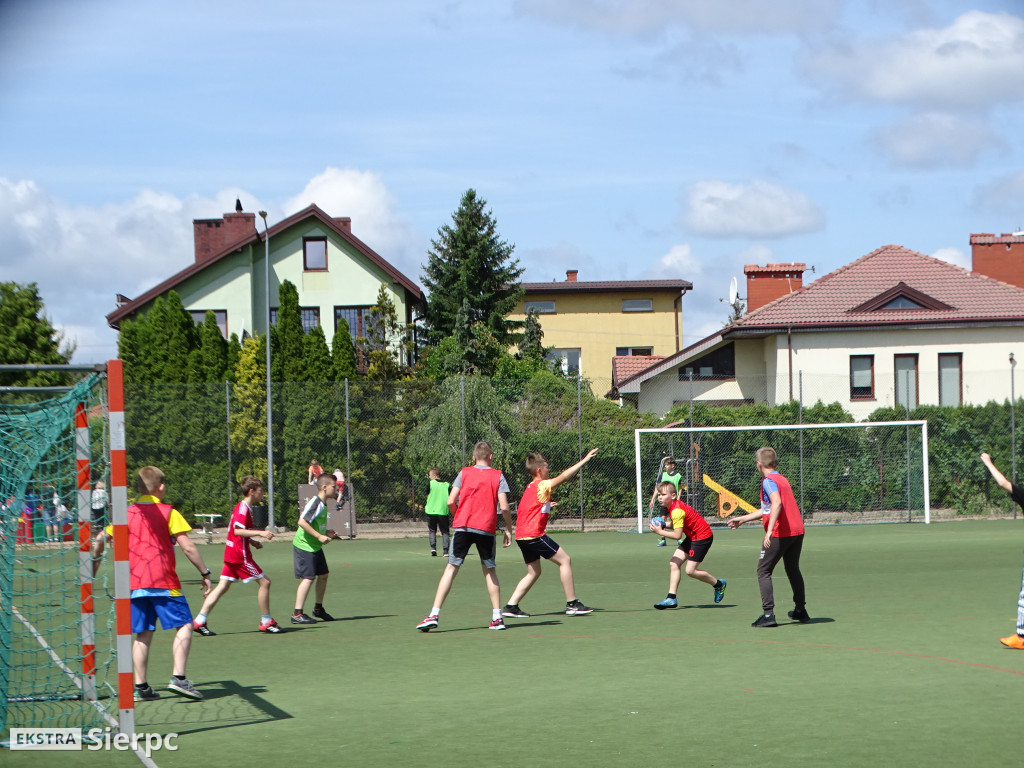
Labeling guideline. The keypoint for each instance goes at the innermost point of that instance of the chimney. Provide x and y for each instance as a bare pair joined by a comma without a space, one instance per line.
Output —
570,275
213,235
344,223
772,281
1000,257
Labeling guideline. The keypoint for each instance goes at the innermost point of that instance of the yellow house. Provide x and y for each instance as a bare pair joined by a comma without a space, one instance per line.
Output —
587,324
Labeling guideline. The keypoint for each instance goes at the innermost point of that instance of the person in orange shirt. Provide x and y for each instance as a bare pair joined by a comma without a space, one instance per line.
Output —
534,543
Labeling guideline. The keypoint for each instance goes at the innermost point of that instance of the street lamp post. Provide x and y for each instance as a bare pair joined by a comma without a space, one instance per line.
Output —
270,412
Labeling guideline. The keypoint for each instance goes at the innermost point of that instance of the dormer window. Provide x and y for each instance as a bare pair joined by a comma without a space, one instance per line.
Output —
901,302
901,298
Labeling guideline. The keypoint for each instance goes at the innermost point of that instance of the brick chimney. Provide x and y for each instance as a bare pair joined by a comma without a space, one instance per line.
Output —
570,275
344,223
772,281
213,235
999,257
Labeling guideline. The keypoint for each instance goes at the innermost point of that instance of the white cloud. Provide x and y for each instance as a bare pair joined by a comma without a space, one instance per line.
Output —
680,262
363,196
758,209
954,256
651,18
975,63
1003,196
936,140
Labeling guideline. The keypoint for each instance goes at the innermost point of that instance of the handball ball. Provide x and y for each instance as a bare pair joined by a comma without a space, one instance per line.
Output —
660,522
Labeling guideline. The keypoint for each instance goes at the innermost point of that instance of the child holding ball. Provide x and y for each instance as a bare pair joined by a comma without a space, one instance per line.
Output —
691,530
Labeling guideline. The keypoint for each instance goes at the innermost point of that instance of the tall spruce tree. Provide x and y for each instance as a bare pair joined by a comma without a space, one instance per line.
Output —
385,343
29,337
343,353
469,262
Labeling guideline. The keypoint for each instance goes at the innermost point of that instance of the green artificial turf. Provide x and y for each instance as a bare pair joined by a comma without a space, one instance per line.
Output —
900,667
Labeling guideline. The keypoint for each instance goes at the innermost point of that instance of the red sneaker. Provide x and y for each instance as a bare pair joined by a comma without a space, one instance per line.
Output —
270,627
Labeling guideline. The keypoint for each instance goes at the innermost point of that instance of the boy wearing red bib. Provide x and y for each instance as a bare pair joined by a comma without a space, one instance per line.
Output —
238,562
534,543
783,539
476,493
691,530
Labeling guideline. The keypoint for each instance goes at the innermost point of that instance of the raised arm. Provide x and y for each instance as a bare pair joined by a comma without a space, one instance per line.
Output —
999,477
571,471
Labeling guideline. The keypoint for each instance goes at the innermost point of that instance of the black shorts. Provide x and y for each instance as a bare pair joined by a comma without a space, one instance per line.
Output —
99,520
696,550
309,565
485,547
534,549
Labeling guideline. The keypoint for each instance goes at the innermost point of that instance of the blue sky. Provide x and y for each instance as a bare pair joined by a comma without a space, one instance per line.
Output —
628,139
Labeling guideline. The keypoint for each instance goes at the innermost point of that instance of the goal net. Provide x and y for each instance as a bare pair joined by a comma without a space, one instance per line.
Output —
863,472
58,633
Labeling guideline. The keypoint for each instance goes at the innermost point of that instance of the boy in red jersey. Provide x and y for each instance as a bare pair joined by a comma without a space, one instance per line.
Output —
153,529
531,524
691,530
476,493
783,539
238,562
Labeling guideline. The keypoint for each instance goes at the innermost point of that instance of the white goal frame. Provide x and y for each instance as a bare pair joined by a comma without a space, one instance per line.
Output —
773,427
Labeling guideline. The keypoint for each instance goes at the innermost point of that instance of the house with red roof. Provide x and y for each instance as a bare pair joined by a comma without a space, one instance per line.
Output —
893,328
337,275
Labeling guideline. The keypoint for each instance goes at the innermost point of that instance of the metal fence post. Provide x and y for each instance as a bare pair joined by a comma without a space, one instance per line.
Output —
800,407
227,404
348,443
462,400
579,421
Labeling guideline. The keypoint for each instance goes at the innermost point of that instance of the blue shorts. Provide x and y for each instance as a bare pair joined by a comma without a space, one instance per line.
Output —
173,612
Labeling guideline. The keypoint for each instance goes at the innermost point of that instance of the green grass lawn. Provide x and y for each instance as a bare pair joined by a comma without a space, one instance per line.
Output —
901,666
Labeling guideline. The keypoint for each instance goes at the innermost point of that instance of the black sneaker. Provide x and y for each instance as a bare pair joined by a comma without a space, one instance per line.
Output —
433,553
576,608
301,618
203,630
146,694
800,614
765,621
320,613
515,612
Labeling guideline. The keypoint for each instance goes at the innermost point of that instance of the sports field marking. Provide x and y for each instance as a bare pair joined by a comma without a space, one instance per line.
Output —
146,761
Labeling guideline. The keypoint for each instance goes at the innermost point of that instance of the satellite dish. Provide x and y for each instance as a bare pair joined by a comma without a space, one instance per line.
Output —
734,293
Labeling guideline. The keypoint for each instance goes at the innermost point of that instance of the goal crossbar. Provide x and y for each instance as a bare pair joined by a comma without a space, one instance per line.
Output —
771,428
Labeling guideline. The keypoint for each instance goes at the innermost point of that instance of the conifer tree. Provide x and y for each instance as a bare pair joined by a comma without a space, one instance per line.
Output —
29,337
343,353
469,262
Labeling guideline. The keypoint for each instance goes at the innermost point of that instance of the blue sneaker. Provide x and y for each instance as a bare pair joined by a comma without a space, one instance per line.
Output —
720,591
661,542
668,602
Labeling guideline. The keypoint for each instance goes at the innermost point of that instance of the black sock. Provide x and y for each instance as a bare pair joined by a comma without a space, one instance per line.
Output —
718,583
178,677
318,607
142,686
671,595
297,612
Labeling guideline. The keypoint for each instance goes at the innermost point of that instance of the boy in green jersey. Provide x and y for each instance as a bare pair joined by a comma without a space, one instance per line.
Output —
436,510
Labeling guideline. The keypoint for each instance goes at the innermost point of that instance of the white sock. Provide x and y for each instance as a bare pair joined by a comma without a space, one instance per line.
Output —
201,619
496,614
435,611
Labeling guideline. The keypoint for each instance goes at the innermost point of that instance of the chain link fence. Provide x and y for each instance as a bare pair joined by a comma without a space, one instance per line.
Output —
384,436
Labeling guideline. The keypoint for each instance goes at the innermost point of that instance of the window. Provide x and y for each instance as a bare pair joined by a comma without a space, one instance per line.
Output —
862,377
314,253
951,378
638,305
356,317
221,315
905,367
901,302
718,364
567,359
633,351
273,316
540,307
310,317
